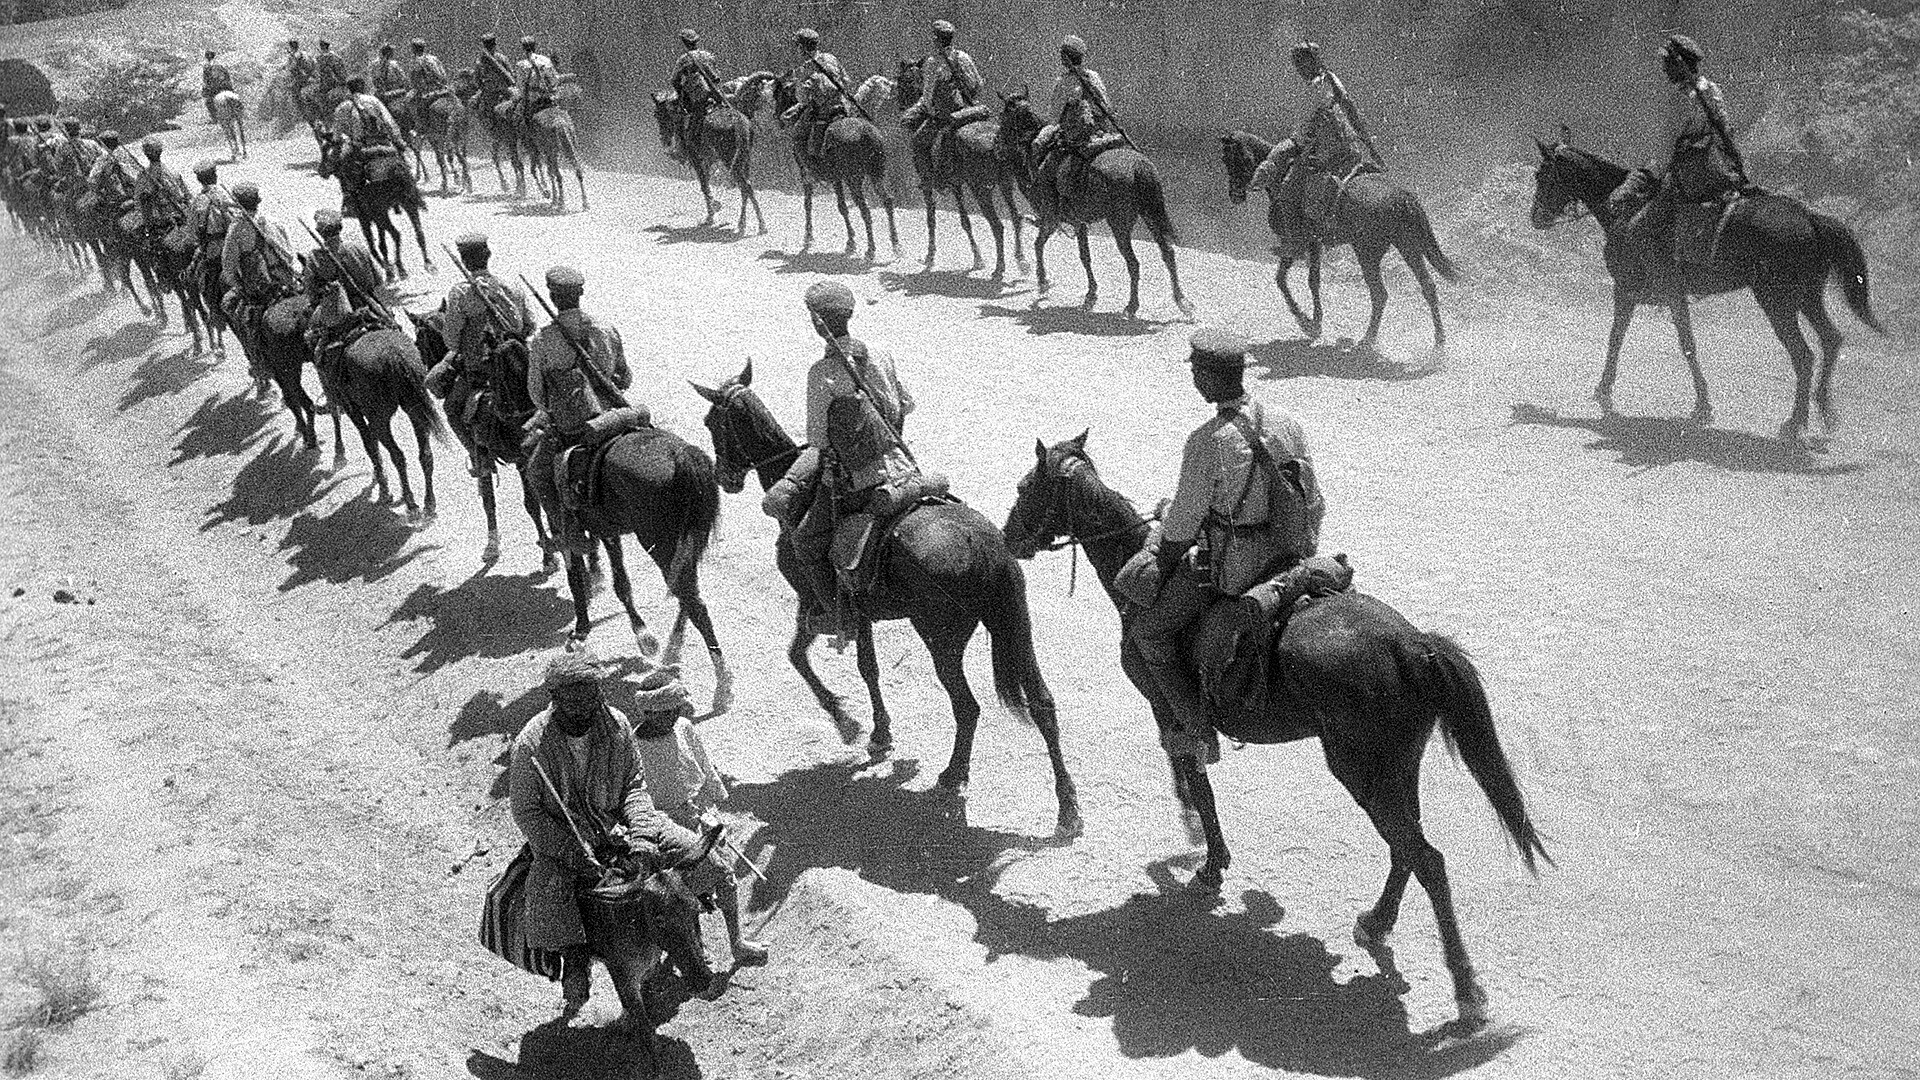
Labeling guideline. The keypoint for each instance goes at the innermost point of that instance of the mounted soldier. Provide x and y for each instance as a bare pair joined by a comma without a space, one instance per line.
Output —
1706,175
428,77
831,480
949,99
1082,120
536,78
114,176
209,214
487,318
163,200
697,88
389,81
494,73
366,125
300,71
821,95
258,267
347,290
214,78
329,77
576,369
1327,149
1248,508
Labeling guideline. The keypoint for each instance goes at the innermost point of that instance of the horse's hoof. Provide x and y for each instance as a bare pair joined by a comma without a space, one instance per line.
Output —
491,553
648,644
1070,827
1604,399
576,641
550,564
722,700
1702,416
880,744
1366,934
1087,303
952,781
1132,311
1475,1013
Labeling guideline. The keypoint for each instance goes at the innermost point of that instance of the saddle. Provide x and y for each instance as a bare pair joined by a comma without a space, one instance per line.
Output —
577,468
860,538
1235,643
1698,227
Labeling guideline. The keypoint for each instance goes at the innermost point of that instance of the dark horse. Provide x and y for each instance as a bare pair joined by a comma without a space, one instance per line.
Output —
726,138
1777,247
1349,669
1118,187
429,334
946,570
374,190
658,488
974,160
1372,213
853,155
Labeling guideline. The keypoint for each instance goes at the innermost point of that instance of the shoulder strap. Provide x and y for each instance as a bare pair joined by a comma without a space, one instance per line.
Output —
1263,461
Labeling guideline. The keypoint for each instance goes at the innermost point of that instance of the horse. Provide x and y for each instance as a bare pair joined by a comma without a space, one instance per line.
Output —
1778,248
725,138
975,160
553,136
231,114
444,123
1119,187
1371,212
280,341
658,488
852,155
429,334
1348,669
169,253
500,118
946,570
374,190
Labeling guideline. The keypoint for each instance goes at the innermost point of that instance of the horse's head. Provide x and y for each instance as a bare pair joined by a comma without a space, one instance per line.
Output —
429,334
673,899
1019,123
1237,154
1568,177
666,109
906,81
1043,513
786,92
745,434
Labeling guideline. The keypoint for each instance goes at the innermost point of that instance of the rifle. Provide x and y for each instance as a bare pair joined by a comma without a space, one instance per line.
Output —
842,87
860,384
1352,113
1093,99
498,320
347,282
953,75
602,382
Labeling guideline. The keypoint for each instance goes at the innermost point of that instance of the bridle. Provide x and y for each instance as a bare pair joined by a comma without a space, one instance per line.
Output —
730,406
1068,469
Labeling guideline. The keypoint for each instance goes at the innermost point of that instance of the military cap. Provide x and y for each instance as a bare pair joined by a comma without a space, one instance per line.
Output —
565,277
324,43
1075,44
808,36
246,191
943,28
209,54
1683,47
205,167
528,42
470,241
418,43
70,124
293,43
151,146
1218,350
489,38
690,37
110,137
830,297
386,47
326,220
572,669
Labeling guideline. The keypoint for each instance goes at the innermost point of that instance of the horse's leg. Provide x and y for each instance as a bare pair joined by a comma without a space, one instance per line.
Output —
1315,254
706,190
1683,329
878,176
623,588
868,662
1783,311
983,194
422,419
1165,243
371,442
693,607
840,194
1019,224
573,158
491,552
927,196
1623,306
806,202
1281,273
947,641
582,590
834,704
1200,795
419,236
1815,309
1376,290
1086,262
1429,292
1123,239
383,430
549,560
966,224
1042,232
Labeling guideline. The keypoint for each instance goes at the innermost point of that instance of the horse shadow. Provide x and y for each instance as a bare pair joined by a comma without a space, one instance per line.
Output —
282,478
160,376
1043,319
129,340
1652,442
1293,358
539,208
694,234
488,615
360,540
76,312
554,1051
1170,973
957,284
816,262
221,426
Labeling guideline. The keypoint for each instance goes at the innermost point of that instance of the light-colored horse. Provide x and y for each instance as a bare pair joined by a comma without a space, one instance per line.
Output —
444,123
231,114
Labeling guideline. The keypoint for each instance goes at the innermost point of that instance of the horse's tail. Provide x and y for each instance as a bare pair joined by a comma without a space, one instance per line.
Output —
1016,668
697,493
1848,265
1466,723
1152,197
1430,244
410,390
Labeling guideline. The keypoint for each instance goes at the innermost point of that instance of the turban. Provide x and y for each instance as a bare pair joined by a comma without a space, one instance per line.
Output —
1684,48
1074,45
830,297
572,669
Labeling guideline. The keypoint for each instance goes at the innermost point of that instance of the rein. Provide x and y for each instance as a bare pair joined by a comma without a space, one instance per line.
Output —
1077,542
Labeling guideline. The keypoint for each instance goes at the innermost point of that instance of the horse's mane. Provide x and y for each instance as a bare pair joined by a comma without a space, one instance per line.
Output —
875,87
1252,145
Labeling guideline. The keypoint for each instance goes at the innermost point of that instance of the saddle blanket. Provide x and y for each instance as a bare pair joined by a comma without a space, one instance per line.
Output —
859,539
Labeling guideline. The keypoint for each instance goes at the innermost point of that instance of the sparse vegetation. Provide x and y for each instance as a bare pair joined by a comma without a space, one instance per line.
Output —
134,95
66,981
20,1048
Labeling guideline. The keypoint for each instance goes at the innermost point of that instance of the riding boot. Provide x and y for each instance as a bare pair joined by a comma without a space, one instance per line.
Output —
1184,597
816,141
823,613
576,980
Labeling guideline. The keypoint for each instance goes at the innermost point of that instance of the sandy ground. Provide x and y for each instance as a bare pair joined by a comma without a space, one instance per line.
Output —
272,743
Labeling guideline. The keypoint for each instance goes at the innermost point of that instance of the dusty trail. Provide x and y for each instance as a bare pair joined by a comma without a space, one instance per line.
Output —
1692,641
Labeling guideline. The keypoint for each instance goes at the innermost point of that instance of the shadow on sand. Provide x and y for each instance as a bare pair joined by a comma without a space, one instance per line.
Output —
1650,442
958,284
554,1051
282,479
1292,358
1042,319
124,343
161,376
222,426
817,262
695,234
360,540
487,615
1170,973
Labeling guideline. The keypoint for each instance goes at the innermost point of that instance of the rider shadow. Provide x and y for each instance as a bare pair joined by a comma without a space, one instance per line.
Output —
554,1051
220,426
1043,319
281,479
538,209
123,343
488,615
816,262
361,540
76,312
1294,358
161,376
1169,972
1651,442
957,284
490,712
694,234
